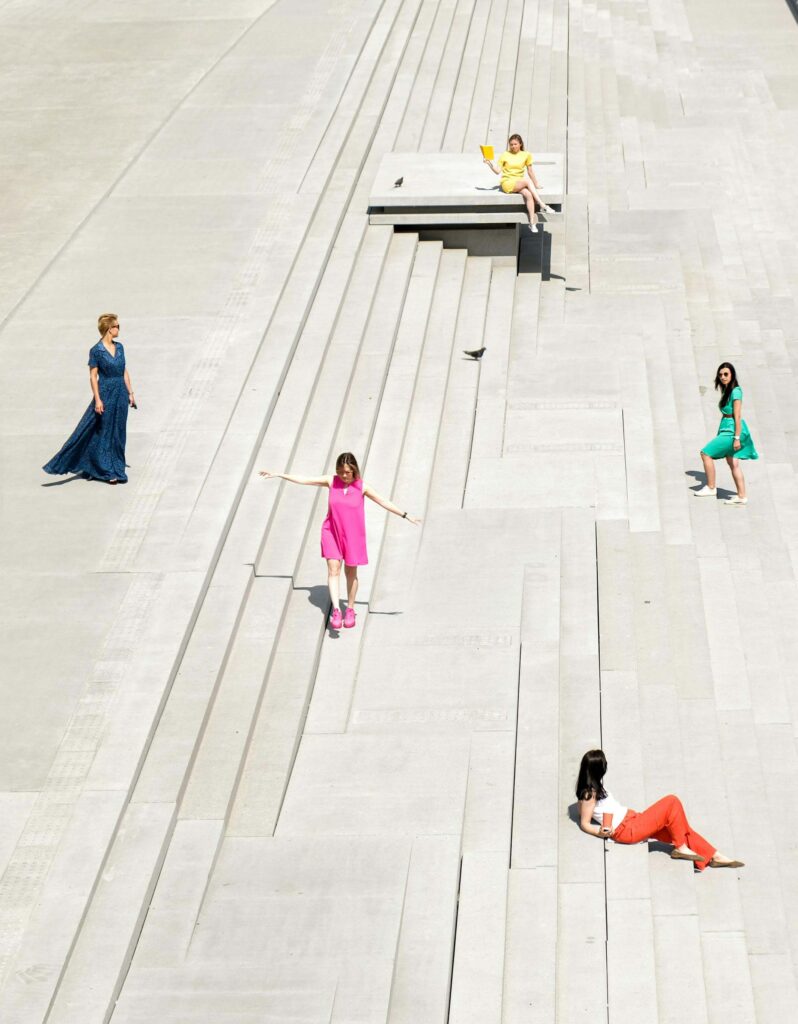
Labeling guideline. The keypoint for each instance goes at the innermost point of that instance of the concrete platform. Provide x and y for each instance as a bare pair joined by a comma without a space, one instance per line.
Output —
431,181
455,199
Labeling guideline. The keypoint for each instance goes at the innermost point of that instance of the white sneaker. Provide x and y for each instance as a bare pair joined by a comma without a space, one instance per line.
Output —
706,492
533,228
736,500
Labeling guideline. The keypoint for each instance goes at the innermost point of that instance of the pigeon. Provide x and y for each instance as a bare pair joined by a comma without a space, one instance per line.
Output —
476,353
398,182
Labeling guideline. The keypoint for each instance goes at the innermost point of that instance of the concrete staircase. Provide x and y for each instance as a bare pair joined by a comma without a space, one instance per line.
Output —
379,826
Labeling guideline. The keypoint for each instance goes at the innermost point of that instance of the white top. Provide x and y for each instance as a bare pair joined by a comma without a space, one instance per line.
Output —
609,805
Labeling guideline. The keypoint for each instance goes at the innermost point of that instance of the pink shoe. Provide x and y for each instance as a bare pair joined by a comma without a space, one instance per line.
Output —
335,619
349,618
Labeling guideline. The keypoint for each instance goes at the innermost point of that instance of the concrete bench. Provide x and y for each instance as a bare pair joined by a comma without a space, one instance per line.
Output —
454,198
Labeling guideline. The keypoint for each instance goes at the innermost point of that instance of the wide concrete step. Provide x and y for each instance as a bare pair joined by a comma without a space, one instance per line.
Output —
478,970
394,571
278,721
177,900
386,445
490,414
529,990
581,890
499,119
231,995
219,752
479,32
421,981
98,961
452,453
436,24
449,60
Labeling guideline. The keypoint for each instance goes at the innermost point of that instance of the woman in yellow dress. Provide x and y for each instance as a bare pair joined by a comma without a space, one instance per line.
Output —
518,175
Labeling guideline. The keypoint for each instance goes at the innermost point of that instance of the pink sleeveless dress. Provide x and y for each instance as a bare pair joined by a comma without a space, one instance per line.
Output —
343,532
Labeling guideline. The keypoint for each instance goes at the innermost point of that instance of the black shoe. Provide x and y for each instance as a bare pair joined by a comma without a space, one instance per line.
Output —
477,353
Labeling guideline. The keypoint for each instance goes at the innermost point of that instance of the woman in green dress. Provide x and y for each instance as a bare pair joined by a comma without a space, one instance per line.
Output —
732,442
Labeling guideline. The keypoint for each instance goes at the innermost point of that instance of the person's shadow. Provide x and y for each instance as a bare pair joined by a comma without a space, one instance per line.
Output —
700,479
69,480
319,597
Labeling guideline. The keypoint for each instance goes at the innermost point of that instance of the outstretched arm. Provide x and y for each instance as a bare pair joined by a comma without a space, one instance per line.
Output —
389,506
311,481
492,166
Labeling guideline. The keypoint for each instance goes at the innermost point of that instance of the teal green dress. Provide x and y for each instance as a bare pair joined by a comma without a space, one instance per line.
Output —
722,444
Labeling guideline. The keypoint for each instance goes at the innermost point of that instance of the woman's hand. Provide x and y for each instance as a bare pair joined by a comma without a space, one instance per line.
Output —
413,520
268,474
131,399
737,444
99,408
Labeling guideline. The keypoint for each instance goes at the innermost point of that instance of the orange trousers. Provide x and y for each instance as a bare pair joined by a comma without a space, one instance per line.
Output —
666,821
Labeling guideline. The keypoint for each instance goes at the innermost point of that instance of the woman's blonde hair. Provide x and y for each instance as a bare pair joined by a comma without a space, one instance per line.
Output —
105,321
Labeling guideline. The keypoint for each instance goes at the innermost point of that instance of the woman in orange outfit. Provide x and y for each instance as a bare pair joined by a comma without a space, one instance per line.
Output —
601,815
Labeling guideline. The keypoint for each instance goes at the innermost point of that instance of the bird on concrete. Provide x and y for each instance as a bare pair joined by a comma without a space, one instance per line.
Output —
476,353
398,182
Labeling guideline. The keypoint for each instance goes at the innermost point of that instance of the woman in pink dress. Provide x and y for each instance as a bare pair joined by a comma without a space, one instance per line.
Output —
343,532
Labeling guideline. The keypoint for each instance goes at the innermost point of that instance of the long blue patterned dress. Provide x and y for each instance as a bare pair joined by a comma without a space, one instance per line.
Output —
97,445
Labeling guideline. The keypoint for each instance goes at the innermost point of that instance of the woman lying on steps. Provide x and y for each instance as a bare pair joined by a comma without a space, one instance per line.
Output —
601,815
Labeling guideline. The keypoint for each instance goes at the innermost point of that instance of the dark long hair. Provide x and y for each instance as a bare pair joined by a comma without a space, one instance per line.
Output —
516,136
590,781
727,388
347,459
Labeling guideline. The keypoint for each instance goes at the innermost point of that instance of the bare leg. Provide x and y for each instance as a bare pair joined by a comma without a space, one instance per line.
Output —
530,206
534,190
709,469
333,580
525,183
737,475
525,190
351,585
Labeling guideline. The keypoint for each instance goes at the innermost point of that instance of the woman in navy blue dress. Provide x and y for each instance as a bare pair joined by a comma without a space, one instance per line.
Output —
97,445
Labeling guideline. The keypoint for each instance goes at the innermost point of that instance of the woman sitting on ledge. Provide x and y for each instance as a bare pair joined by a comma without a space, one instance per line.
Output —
601,815
517,175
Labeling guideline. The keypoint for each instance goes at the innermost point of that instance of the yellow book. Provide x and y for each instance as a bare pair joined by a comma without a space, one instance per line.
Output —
487,152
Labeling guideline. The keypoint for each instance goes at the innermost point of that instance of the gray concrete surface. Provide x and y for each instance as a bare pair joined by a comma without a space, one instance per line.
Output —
213,811
456,179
